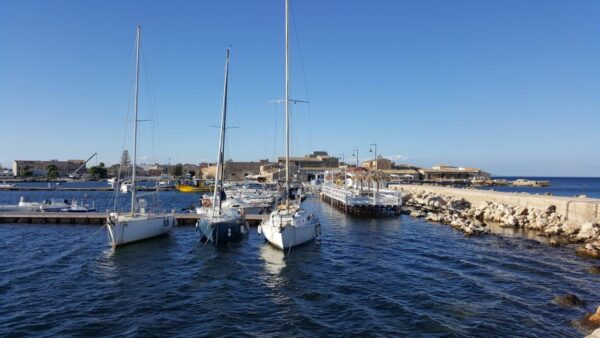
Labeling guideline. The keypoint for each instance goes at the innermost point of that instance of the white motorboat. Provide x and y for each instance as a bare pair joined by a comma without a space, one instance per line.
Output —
138,224
125,187
55,205
23,206
289,225
250,207
221,220
5,185
112,181
80,207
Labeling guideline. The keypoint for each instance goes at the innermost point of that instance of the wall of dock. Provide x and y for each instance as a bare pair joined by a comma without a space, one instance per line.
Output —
577,210
365,210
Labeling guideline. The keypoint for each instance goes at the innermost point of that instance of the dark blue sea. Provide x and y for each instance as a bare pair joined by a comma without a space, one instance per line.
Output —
384,277
559,186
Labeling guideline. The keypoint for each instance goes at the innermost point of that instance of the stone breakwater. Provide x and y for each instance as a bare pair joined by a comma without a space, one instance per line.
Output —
474,216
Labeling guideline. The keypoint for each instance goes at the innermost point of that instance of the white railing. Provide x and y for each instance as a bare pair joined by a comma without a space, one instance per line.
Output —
354,197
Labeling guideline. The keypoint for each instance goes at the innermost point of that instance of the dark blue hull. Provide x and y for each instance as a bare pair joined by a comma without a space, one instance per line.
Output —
223,232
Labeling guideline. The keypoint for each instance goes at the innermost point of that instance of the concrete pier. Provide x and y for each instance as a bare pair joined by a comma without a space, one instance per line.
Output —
93,218
576,210
65,188
368,204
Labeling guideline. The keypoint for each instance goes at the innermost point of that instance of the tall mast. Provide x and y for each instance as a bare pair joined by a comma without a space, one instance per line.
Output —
135,116
221,152
287,106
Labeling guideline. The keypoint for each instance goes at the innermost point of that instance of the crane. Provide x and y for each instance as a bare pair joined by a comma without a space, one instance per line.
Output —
75,174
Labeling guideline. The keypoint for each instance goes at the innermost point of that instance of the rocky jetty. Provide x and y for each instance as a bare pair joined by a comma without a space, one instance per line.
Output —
473,220
592,320
595,334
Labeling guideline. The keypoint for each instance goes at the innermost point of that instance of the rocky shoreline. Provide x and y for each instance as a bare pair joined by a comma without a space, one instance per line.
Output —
475,219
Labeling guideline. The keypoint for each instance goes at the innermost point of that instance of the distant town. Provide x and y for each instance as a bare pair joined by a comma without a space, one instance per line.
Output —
307,167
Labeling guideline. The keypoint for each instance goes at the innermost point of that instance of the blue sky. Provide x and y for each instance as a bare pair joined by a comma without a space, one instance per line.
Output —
512,87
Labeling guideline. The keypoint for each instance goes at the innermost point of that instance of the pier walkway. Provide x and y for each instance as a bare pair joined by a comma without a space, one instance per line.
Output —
94,218
363,203
63,188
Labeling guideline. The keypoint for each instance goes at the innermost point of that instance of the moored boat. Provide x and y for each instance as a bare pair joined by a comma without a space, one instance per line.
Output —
138,224
5,185
289,225
221,220
200,186
23,206
54,205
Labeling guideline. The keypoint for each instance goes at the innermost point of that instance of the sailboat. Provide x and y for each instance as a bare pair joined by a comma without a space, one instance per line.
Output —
289,225
138,224
221,221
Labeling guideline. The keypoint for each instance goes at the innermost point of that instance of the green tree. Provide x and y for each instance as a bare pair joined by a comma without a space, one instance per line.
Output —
26,172
52,171
176,170
98,171
125,161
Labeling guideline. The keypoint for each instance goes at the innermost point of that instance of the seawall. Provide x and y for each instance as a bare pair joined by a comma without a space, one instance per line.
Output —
575,210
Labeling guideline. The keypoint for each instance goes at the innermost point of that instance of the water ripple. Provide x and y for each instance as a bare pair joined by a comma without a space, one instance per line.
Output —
386,277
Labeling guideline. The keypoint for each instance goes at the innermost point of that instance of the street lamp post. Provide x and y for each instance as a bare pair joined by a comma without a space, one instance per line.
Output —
371,146
355,154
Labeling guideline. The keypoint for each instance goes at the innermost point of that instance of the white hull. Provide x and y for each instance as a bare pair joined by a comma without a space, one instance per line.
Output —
286,231
19,208
125,188
127,229
255,210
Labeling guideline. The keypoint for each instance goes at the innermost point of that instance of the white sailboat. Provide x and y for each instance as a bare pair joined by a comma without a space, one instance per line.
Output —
138,224
289,225
221,220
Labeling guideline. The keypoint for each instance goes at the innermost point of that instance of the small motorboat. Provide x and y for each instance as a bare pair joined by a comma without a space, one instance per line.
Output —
23,206
125,187
54,205
200,186
80,207
5,185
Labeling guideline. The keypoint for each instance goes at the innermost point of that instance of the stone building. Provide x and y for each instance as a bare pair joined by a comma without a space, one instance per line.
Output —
403,174
447,172
235,171
380,163
318,159
40,168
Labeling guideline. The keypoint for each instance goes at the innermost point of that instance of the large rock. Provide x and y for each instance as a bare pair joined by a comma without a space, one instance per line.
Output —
570,228
595,334
588,230
592,320
594,269
510,221
568,300
589,250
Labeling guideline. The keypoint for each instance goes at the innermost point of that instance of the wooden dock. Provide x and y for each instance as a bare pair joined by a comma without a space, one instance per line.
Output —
93,218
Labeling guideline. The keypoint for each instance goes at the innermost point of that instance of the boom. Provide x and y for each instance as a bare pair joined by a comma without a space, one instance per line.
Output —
75,174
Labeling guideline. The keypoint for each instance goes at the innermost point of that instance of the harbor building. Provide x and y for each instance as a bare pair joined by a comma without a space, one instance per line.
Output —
446,172
379,163
40,168
403,174
318,159
235,171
